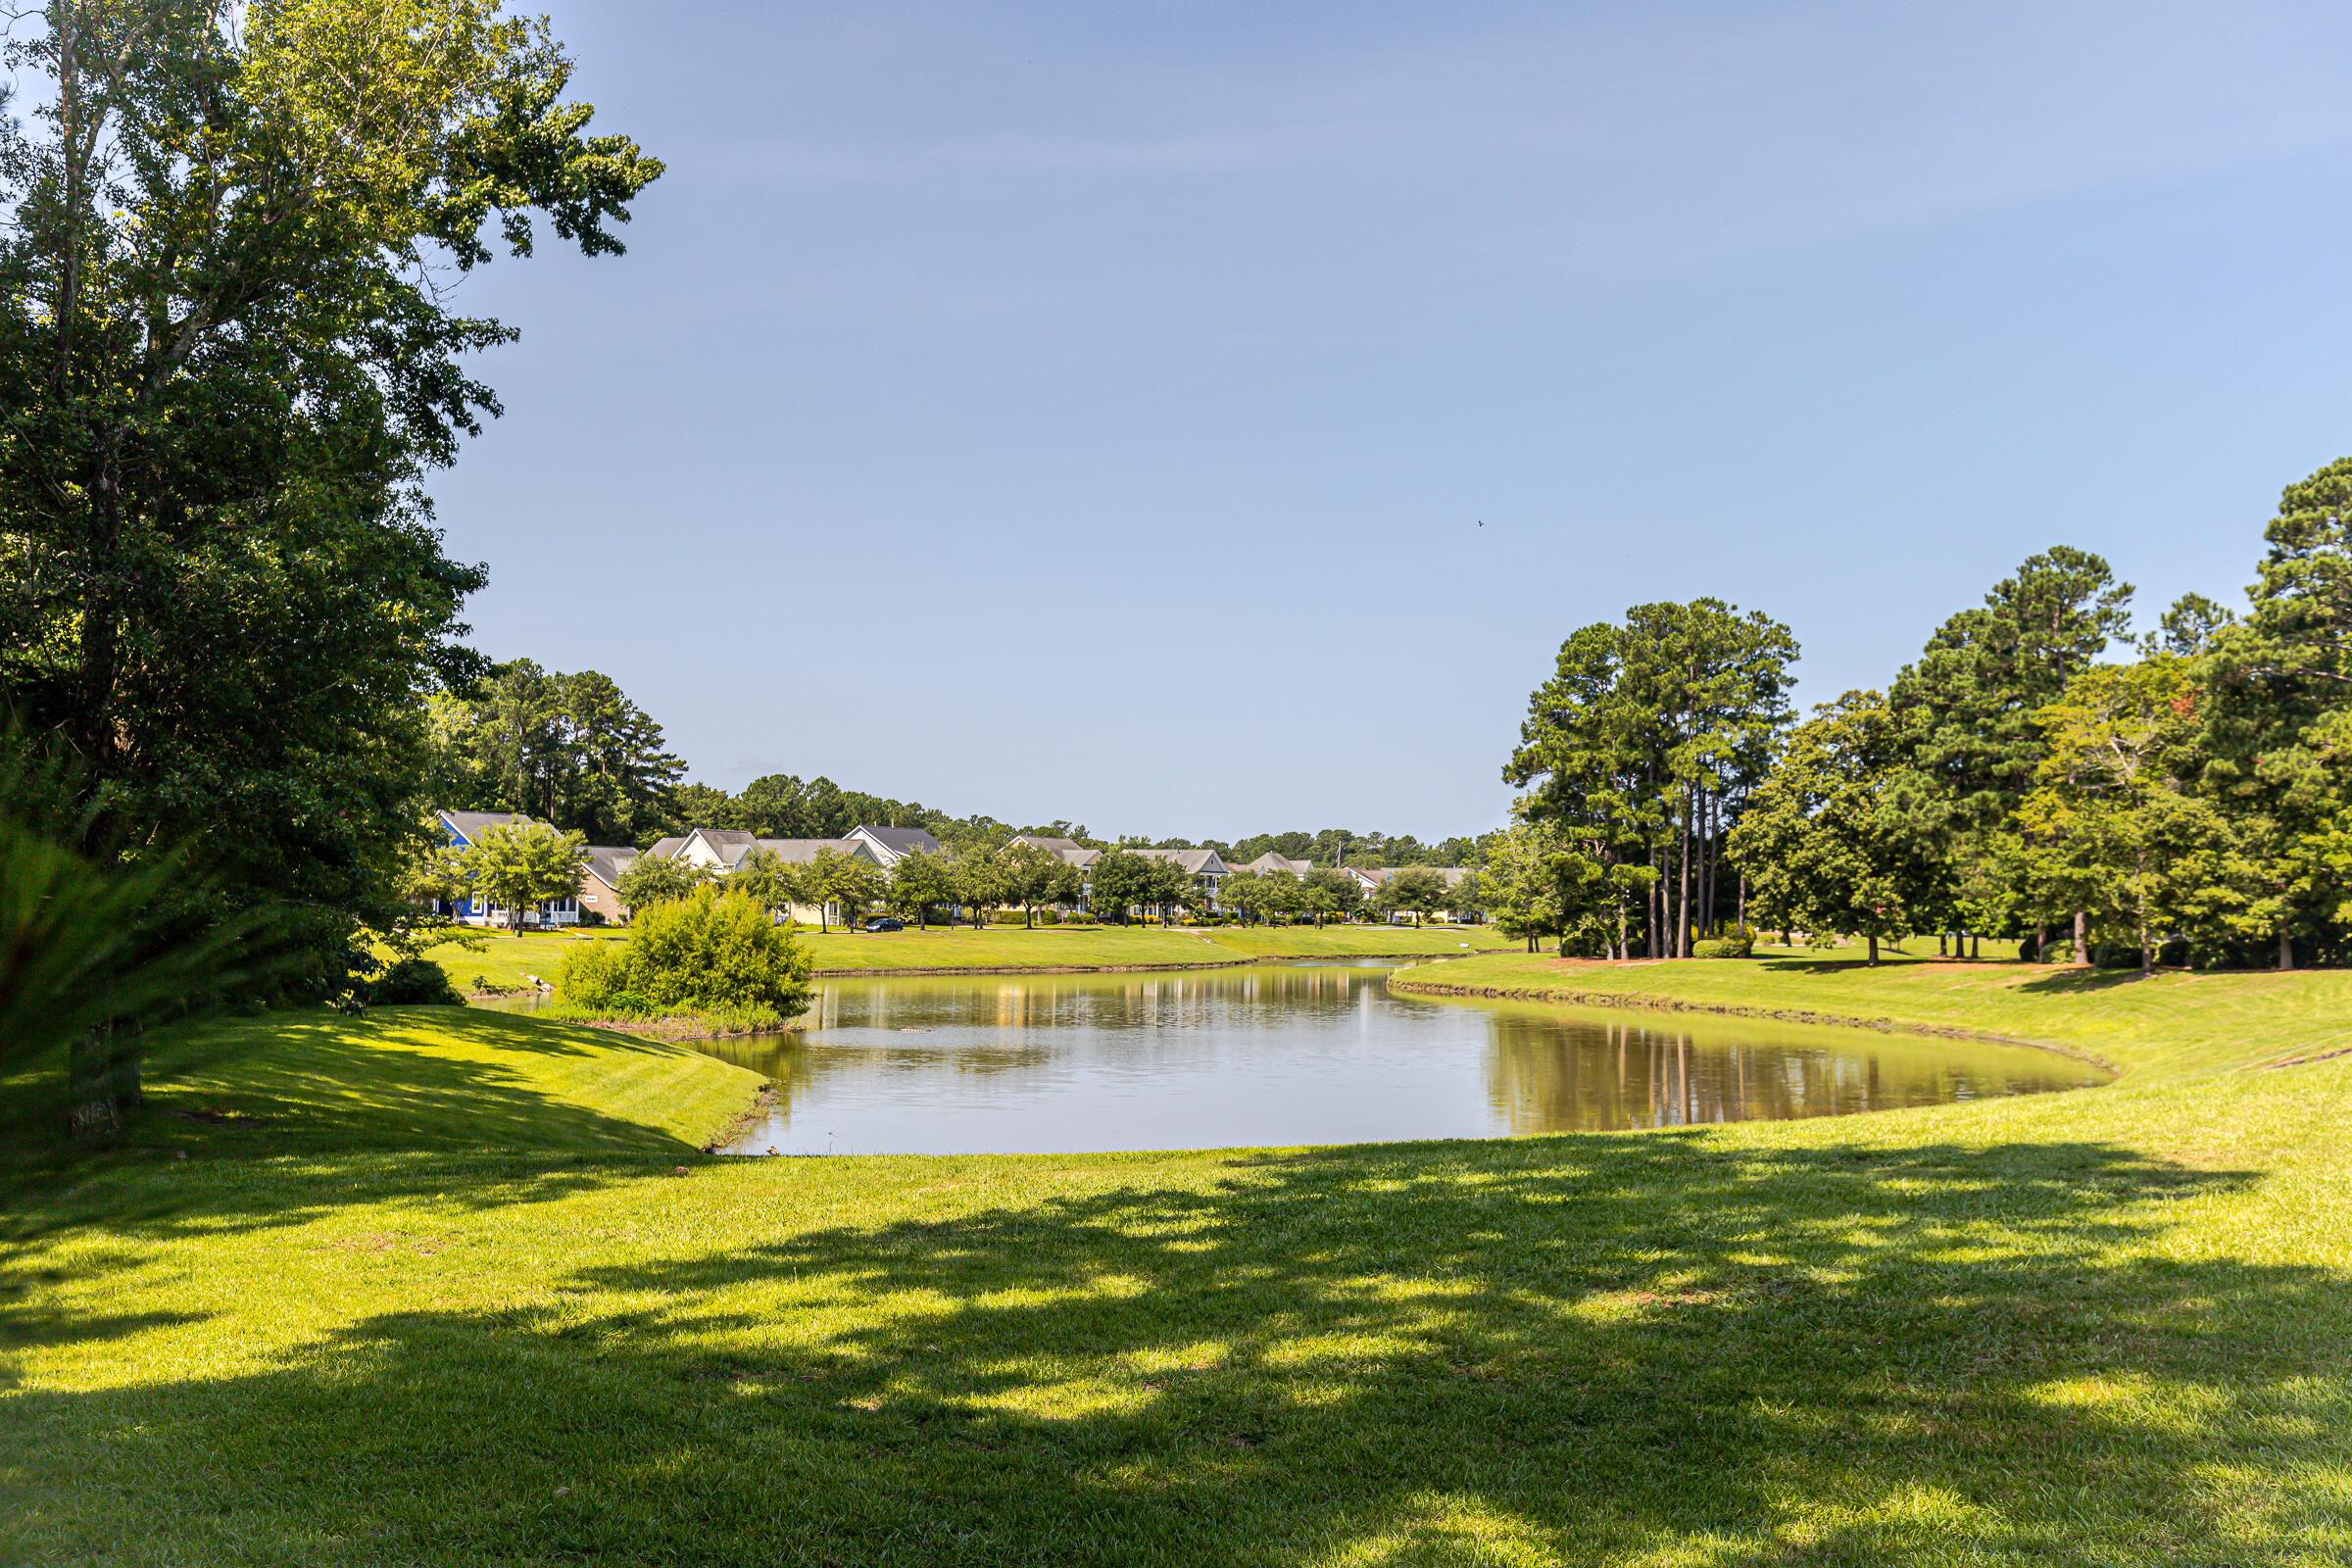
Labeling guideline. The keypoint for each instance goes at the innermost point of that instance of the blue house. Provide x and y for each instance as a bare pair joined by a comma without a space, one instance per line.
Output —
462,827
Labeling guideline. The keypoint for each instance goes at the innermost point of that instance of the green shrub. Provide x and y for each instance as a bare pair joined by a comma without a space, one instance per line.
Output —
1007,918
414,982
710,952
1048,917
1726,947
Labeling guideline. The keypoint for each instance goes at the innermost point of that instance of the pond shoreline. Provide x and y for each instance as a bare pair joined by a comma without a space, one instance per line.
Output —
1643,1001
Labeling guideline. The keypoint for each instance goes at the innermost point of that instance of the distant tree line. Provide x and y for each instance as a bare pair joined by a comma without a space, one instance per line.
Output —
574,751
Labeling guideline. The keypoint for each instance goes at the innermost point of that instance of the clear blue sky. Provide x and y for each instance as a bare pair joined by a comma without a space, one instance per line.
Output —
1088,412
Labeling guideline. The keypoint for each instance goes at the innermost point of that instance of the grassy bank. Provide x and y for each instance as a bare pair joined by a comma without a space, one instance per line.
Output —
426,1078
2171,1023
2107,1326
509,960
428,1290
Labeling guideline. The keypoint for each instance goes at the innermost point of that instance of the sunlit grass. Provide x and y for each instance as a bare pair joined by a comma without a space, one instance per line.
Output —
511,960
430,1291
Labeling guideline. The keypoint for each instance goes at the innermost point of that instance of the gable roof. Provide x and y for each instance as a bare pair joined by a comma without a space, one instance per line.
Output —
804,852
467,825
1271,862
664,848
1060,847
606,863
1200,862
899,840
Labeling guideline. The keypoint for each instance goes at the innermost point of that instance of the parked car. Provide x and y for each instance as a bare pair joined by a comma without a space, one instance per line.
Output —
884,922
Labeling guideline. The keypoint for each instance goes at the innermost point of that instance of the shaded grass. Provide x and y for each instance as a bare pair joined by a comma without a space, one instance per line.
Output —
2169,1023
410,1078
2100,1328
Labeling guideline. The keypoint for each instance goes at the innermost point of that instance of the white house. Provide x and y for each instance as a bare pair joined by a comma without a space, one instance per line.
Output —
891,845
721,851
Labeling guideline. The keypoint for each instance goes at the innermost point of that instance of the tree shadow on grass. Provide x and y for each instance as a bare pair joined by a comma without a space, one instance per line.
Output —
2067,980
359,1117
393,1079
1597,1348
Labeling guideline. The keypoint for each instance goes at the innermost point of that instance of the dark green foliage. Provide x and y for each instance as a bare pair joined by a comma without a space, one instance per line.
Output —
1968,704
2279,723
571,749
415,982
1825,840
228,375
1640,751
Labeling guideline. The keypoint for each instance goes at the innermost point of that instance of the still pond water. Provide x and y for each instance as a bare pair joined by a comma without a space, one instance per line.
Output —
1304,1053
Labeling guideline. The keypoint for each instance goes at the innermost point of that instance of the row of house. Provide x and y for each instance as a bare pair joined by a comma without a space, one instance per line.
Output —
723,852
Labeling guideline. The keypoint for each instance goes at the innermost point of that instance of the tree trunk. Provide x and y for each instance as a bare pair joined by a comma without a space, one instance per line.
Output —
102,1077
2081,939
2286,948
1682,902
1975,947
1654,896
1874,951
1943,941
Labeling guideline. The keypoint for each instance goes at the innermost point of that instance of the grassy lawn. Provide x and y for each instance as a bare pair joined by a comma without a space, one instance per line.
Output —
1375,941
507,960
2109,1327
2171,1023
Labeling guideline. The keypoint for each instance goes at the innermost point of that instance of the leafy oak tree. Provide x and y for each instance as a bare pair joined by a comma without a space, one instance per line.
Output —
1415,889
1122,880
228,361
918,883
835,877
2113,826
1331,894
1823,841
658,879
770,881
518,865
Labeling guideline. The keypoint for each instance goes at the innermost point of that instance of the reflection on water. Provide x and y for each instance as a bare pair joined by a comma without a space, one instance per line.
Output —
1304,1053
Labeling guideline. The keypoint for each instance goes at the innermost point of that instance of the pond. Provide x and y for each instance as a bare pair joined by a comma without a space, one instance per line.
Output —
1305,1054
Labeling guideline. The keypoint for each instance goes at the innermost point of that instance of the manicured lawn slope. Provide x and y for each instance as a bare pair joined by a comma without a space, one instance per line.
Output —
2169,1023
448,1078
2100,1328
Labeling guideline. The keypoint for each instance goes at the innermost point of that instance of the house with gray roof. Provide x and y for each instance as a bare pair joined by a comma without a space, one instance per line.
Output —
723,852
1270,861
461,829
891,845
1207,865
